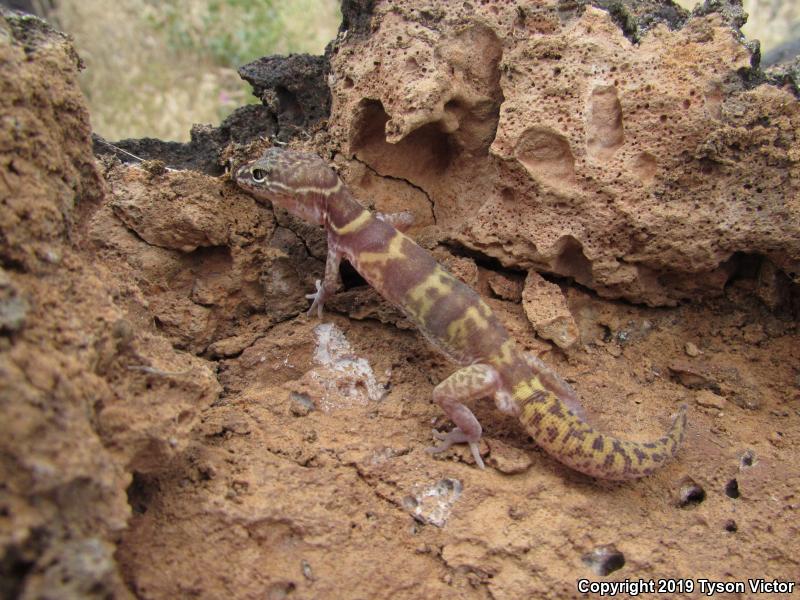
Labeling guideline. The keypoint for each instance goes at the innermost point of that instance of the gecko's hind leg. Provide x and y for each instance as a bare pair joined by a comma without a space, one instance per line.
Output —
553,382
469,383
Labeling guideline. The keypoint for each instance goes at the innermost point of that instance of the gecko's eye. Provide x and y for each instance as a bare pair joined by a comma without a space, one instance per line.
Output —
259,175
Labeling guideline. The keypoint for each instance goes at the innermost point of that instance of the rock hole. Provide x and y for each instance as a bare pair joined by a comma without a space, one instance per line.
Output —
455,109
572,262
708,165
690,493
140,493
730,526
350,277
423,154
288,105
732,489
280,590
19,559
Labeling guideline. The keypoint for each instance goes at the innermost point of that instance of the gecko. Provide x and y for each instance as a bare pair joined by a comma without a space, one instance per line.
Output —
453,318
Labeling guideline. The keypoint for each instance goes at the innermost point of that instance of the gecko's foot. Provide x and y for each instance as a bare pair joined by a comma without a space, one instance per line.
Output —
318,298
456,436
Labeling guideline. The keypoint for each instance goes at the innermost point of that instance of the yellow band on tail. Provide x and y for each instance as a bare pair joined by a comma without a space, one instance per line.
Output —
580,446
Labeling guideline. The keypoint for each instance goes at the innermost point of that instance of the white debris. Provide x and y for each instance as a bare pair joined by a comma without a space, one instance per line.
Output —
345,379
434,504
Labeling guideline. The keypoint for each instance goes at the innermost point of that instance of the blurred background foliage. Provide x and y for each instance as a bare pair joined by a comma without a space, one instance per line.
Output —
154,68
233,32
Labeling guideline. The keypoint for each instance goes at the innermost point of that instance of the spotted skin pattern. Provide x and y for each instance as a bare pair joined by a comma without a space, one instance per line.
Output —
453,318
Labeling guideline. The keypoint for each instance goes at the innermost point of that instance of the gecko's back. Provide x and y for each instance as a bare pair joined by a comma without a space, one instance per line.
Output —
445,310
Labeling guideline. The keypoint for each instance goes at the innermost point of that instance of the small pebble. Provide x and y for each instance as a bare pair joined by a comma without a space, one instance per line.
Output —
604,559
747,460
776,439
302,404
507,459
709,399
306,569
691,375
691,350
51,256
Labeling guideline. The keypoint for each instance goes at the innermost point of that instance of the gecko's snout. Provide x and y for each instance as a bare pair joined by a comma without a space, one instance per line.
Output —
241,171
242,176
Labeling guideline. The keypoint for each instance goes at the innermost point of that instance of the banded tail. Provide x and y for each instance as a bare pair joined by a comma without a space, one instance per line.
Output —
580,446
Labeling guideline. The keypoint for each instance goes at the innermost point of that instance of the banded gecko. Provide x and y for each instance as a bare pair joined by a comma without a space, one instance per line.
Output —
453,318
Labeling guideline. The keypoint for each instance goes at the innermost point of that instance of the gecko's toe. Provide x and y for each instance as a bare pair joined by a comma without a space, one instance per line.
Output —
438,435
456,436
318,300
476,454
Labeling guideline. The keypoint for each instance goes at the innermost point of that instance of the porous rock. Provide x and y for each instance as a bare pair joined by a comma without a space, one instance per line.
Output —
89,391
642,171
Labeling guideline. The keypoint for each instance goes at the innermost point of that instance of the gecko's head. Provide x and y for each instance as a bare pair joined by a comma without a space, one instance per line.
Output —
298,181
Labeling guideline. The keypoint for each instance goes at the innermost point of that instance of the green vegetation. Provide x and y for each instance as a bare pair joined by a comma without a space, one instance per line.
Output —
234,32
154,68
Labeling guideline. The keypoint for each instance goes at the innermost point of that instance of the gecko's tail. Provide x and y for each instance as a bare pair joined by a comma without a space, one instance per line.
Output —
572,441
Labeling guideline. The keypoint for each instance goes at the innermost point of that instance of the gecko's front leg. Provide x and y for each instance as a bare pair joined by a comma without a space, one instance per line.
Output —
331,282
469,383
